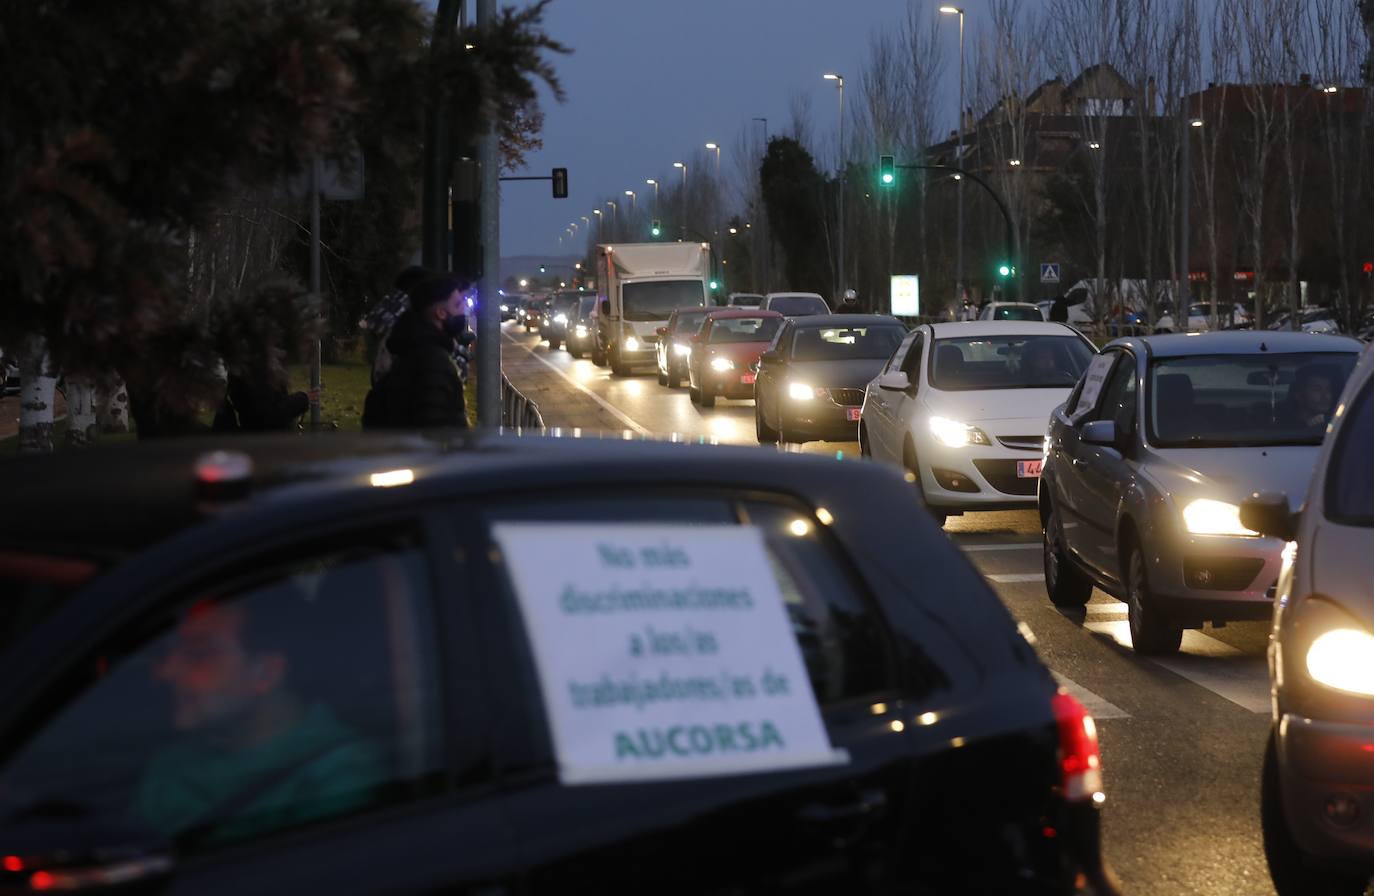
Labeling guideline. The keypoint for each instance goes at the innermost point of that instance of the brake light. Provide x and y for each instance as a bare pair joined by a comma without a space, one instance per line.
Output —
1080,759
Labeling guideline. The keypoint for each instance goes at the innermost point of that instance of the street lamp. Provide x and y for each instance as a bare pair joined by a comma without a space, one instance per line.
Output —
524,283
716,198
631,194
1094,145
839,82
959,226
611,203
1015,163
683,227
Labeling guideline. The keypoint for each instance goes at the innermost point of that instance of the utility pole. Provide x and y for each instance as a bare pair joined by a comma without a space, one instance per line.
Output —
434,209
315,288
488,308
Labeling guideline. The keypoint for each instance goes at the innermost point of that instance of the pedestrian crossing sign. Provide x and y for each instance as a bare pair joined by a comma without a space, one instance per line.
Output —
1049,272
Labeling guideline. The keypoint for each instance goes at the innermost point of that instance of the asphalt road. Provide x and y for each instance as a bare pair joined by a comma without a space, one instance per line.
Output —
1182,737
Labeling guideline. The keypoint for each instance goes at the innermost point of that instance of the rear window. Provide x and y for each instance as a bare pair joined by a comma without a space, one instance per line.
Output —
1350,475
798,305
1012,312
744,329
846,343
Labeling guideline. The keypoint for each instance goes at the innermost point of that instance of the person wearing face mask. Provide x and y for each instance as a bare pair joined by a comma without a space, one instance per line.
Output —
423,388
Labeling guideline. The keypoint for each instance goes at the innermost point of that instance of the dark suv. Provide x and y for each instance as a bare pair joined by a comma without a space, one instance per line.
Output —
500,665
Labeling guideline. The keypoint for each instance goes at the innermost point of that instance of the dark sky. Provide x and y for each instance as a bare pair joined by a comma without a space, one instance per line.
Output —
652,81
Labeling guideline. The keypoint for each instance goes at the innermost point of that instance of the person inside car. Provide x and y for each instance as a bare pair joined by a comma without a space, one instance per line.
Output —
1310,398
251,754
1039,364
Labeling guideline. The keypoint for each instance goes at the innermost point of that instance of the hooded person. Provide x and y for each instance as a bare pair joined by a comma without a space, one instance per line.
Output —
379,322
423,389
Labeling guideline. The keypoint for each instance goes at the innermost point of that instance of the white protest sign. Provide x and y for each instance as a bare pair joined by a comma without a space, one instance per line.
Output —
663,652
1092,383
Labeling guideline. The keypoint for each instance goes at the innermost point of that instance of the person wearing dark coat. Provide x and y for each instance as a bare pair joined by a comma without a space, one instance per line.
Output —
423,389
1059,310
264,407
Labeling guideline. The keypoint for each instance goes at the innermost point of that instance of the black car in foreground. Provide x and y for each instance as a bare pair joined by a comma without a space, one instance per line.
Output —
811,381
491,665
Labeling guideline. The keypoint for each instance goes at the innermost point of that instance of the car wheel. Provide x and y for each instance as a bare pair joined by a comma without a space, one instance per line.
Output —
575,352
598,357
1288,866
913,467
618,367
762,431
705,397
674,380
1152,632
662,378
865,450
693,394
1065,582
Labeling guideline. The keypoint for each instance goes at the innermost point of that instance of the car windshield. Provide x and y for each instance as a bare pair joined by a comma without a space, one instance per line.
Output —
688,323
796,306
1226,401
846,343
1017,312
585,305
1008,362
565,304
657,299
743,329
746,301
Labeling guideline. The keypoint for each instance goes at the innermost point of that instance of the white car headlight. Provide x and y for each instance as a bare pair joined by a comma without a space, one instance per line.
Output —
680,349
505,307
561,319
722,364
800,392
631,344
1340,659
580,330
1207,517
956,434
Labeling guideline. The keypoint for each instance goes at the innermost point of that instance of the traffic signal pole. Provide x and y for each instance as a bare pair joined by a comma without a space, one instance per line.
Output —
488,305
1013,242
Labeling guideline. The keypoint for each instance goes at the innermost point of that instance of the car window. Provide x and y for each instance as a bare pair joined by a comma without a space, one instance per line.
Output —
743,329
1350,475
688,323
1206,401
301,691
895,362
1008,362
911,365
1015,312
798,305
846,343
1118,402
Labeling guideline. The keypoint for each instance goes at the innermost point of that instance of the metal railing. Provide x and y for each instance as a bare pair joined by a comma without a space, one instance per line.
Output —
517,411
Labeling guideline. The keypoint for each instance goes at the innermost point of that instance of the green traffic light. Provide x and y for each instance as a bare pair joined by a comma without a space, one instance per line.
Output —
715,285
887,177
1004,270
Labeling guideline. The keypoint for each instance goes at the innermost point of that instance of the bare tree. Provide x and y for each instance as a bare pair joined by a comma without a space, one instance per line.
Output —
1295,46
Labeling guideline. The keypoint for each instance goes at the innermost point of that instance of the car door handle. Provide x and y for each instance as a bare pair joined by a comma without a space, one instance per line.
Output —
869,802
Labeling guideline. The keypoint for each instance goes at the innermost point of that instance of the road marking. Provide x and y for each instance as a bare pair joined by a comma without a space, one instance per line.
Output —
614,411
1015,578
1207,662
1028,546
1100,707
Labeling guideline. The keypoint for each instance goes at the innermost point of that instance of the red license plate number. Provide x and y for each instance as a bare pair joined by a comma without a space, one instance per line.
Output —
747,379
1028,469
852,414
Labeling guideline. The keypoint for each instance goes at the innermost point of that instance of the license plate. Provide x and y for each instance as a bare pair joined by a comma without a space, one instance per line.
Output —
853,414
747,379
1028,469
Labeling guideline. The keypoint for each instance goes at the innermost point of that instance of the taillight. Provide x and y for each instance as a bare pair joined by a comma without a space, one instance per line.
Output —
1080,759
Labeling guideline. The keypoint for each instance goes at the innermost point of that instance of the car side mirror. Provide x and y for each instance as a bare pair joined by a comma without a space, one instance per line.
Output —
1100,432
770,357
895,381
605,306
1268,514
661,331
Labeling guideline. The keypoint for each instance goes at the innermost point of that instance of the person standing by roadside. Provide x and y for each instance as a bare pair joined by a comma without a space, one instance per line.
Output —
1059,310
422,388
379,321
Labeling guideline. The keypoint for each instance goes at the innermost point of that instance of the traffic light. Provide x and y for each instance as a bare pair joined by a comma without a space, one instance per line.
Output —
655,228
542,269
1005,270
715,285
887,170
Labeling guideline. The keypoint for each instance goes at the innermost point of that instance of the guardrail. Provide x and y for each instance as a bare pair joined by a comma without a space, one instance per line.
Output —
517,411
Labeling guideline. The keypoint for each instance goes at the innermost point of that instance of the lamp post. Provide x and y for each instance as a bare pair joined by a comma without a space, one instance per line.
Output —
599,219
683,226
959,200
653,183
839,81
715,224
611,203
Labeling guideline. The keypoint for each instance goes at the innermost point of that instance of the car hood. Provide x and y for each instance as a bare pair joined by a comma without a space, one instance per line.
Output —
854,373
1233,474
1000,412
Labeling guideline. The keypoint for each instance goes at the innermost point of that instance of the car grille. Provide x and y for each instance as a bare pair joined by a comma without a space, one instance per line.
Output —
1023,443
847,397
1001,475
1221,573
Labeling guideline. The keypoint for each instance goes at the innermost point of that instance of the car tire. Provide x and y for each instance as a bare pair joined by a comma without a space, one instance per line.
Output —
705,397
1289,868
662,378
693,394
765,434
598,357
554,344
913,466
1152,632
575,352
674,381
1064,582
865,450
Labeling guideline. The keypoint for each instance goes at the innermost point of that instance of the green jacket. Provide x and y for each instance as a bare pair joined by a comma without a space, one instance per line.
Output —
317,769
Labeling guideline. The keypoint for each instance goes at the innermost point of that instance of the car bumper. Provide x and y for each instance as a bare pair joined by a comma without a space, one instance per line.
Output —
1206,578
976,477
818,421
728,383
1321,761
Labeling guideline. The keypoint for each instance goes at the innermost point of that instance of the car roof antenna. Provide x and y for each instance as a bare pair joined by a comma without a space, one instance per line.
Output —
1264,347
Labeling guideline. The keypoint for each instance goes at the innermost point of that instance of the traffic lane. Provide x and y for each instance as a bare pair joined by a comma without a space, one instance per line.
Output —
1181,761
657,410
